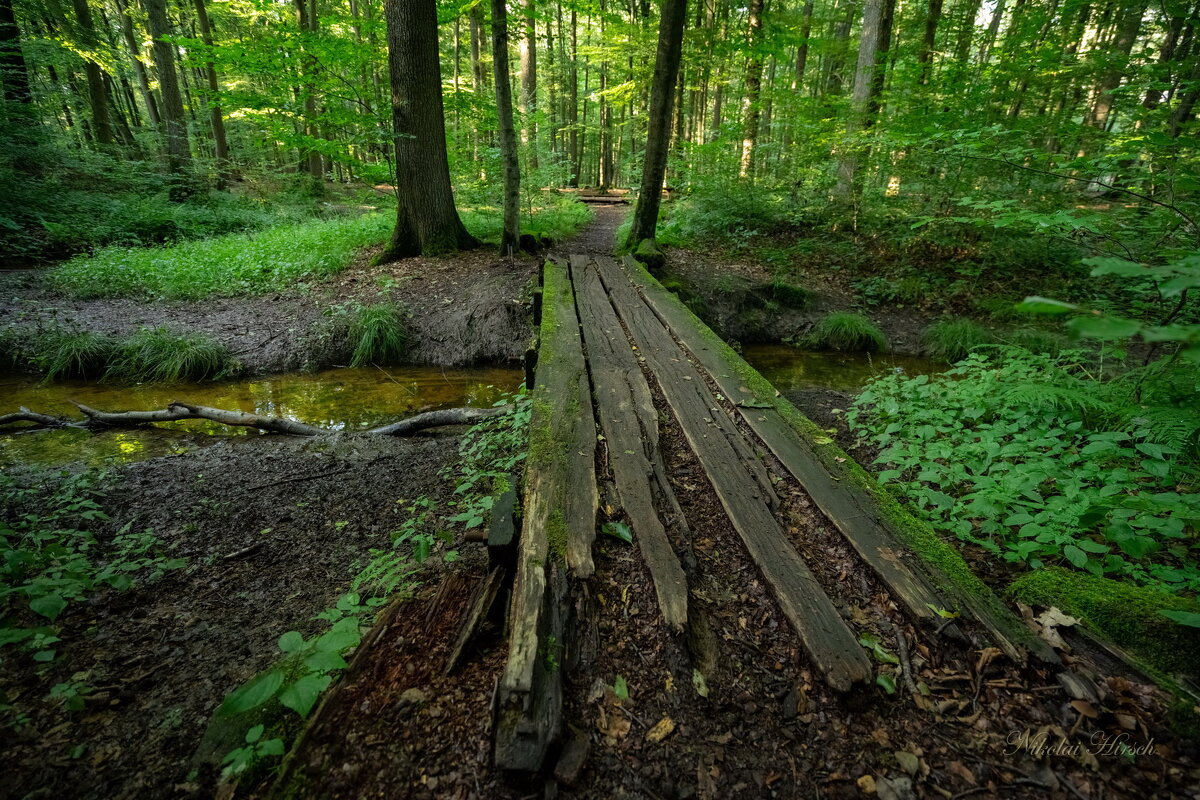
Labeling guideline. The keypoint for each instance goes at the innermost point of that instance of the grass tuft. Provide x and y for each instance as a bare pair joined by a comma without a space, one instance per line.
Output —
158,355
788,295
59,352
845,330
378,334
950,340
1035,341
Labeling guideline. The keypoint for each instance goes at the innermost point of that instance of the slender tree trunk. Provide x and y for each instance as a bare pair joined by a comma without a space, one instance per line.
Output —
426,219
13,72
179,156
529,82
752,108
139,68
802,50
864,77
925,58
510,236
97,96
1128,24
220,143
573,105
310,159
666,72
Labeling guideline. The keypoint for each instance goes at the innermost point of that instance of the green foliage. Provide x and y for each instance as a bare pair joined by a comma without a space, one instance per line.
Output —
844,330
552,219
223,266
378,334
55,551
1036,461
951,340
159,355
64,352
1036,341
788,295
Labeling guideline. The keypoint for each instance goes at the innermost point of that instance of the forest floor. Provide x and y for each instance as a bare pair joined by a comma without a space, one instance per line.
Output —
273,528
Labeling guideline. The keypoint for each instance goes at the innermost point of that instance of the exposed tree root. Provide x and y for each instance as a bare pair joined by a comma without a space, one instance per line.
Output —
95,419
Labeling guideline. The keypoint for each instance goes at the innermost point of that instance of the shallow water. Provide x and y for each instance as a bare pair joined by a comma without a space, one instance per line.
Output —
340,399
789,368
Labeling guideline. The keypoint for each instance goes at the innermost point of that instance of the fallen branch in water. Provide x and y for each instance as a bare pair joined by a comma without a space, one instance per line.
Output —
95,419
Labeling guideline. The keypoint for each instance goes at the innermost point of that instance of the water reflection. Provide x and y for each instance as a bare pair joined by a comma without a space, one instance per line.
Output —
341,399
789,368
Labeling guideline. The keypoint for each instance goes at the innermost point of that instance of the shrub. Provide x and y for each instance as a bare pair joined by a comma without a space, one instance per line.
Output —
377,334
1032,459
223,266
845,330
788,295
950,340
59,352
158,355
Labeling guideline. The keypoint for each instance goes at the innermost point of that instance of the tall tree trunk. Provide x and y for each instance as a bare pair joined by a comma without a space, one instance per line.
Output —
529,82
806,15
754,67
573,104
426,220
836,61
1127,26
179,156
925,58
220,143
97,96
864,77
13,71
310,158
654,167
139,68
510,236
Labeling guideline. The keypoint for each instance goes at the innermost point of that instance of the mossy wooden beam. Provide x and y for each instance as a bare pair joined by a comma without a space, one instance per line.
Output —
627,417
880,530
830,644
559,526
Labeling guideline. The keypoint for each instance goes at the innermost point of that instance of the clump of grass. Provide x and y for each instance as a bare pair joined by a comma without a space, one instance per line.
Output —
223,266
159,355
378,334
1035,341
951,340
788,295
845,330
60,352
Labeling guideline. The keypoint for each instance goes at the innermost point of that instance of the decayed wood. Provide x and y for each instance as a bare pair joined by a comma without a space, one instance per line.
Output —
559,520
629,422
830,644
851,510
178,410
477,613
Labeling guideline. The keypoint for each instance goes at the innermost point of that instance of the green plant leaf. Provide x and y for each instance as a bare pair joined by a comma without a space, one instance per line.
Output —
253,693
618,530
291,641
254,734
886,682
1188,618
321,662
621,688
1104,328
48,605
302,695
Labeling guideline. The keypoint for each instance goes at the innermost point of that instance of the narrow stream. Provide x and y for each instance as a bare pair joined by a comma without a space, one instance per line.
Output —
789,368
342,399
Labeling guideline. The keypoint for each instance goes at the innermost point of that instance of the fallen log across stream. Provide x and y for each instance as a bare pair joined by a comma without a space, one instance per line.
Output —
94,419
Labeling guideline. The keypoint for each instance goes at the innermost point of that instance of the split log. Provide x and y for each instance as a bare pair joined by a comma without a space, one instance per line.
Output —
630,424
829,642
178,410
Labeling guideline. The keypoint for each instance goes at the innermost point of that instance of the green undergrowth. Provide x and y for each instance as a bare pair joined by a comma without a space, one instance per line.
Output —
844,330
151,355
553,220
1039,462
58,549
256,720
948,570
950,340
1128,615
378,334
277,258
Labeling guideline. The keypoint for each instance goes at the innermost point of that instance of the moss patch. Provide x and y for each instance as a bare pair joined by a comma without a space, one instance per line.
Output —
1122,612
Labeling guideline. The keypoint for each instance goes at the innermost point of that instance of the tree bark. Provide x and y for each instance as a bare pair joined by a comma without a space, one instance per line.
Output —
666,72
802,50
573,104
510,236
179,156
13,71
426,219
925,57
753,84
97,96
220,143
529,82
1127,27
139,68
864,77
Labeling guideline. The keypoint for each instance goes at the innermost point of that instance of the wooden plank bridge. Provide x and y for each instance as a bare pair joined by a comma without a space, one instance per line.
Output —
618,357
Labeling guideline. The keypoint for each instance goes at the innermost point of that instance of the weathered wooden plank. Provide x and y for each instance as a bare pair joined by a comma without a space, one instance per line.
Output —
627,417
829,642
851,510
477,612
559,525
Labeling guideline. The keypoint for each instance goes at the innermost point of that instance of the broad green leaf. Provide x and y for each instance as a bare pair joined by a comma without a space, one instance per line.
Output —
253,693
321,662
302,695
1188,618
1076,556
1104,328
619,530
48,605
621,688
291,641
